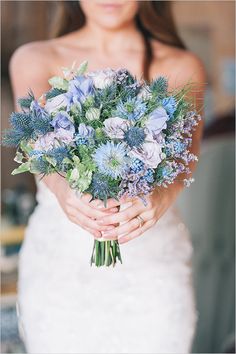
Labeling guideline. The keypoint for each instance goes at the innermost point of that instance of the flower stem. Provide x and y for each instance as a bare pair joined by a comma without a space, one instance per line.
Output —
105,253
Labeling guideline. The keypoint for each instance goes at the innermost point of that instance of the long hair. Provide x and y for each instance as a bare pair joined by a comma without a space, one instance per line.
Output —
154,20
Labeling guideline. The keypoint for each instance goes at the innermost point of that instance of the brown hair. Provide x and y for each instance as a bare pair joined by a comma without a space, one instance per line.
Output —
154,20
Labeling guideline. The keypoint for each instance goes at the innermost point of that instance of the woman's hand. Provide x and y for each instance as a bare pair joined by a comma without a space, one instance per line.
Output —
138,218
79,209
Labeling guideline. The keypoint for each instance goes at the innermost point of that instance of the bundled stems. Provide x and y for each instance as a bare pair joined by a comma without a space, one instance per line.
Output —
105,253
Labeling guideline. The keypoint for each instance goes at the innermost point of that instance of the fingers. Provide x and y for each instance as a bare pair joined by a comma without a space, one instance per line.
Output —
136,233
83,205
126,228
121,216
86,222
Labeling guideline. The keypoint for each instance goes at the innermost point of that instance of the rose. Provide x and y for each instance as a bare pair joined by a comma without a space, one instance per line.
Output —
55,103
150,153
103,78
115,127
156,121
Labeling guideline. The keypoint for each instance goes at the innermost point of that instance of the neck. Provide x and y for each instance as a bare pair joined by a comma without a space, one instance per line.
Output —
108,41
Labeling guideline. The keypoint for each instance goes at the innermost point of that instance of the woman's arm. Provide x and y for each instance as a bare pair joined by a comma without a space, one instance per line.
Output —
30,68
162,198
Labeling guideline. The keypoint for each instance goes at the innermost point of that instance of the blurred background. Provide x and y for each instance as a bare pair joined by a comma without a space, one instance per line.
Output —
207,27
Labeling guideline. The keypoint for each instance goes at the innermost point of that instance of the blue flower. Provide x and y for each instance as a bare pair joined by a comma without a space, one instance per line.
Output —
149,175
85,134
132,109
170,105
79,90
111,159
137,166
134,136
62,121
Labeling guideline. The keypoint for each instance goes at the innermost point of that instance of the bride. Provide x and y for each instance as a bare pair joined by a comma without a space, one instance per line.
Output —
145,305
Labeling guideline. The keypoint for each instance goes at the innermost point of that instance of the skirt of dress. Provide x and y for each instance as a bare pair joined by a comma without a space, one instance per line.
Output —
145,305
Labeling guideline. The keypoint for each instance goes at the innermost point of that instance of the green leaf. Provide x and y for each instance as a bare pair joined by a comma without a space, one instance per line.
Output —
51,160
82,68
19,157
59,83
24,167
25,147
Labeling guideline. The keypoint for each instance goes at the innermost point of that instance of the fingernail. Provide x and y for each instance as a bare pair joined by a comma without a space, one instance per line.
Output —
113,210
107,233
100,206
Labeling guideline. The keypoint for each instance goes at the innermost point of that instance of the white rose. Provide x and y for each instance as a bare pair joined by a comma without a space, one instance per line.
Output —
115,127
103,78
145,93
150,153
56,103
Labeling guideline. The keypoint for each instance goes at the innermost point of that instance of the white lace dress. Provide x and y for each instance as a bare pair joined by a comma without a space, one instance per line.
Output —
145,305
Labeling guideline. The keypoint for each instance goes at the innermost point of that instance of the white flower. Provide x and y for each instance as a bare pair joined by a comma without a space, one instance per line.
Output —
56,103
115,127
156,121
93,113
149,153
52,140
46,142
144,93
103,78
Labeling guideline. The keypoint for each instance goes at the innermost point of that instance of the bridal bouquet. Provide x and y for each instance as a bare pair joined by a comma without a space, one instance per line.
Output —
107,134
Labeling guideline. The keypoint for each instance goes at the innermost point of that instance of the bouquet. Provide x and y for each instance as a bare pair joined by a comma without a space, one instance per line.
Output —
107,134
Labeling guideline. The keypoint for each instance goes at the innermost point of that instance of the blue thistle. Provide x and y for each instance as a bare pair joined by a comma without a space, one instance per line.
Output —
111,159
132,109
40,119
134,136
54,92
21,129
103,187
40,165
58,154
25,102
159,86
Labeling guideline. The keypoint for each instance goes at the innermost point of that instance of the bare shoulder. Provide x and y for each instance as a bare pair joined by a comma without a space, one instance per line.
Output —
179,65
30,67
31,55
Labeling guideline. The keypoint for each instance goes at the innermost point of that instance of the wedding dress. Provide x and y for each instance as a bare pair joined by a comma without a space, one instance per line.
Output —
145,305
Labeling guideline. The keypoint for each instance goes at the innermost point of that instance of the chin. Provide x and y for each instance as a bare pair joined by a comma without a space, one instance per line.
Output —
112,24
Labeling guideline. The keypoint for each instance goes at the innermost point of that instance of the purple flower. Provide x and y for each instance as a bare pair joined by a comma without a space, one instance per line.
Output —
62,121
79,90
157,121
37,109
